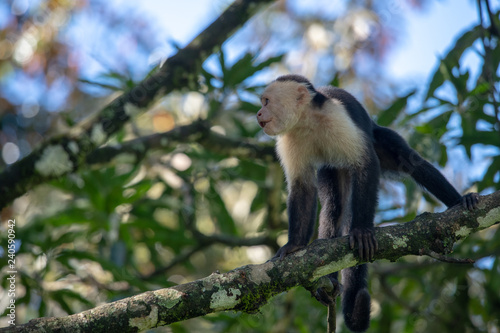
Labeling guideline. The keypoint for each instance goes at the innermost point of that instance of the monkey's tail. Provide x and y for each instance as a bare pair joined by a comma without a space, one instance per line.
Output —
355,298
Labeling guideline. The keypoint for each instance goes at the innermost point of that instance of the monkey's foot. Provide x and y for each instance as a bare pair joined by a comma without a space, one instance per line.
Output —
287,249
328,289
470,201
366,241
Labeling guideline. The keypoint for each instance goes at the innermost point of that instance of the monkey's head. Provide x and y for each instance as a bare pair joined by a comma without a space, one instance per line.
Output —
283,103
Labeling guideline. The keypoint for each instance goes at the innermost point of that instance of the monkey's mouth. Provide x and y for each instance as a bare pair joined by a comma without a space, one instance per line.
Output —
264,123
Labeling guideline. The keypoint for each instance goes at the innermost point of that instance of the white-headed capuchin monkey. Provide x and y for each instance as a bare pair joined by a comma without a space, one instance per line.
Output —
328,145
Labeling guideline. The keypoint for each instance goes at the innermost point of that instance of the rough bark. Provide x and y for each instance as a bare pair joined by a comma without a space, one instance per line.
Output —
248,288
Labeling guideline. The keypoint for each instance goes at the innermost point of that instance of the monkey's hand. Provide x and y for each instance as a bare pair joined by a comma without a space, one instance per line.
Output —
367,243
287,249
470,201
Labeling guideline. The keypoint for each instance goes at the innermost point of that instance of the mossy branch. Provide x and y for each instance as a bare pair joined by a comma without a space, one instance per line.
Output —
249,287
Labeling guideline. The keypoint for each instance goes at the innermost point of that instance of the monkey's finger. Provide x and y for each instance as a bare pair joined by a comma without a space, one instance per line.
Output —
280,254
361,248
474,200
465,202
351,241
470,203
284,253
367,247
372,247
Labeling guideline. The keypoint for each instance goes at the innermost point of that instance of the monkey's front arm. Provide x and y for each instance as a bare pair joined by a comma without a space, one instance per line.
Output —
302,207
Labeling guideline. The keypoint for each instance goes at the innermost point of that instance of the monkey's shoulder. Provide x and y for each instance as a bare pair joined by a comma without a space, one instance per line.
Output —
339,99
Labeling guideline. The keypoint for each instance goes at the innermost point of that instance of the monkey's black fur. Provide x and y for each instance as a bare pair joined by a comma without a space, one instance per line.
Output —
348,198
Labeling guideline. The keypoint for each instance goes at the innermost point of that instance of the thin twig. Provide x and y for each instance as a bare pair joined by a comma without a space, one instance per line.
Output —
449,260
332,317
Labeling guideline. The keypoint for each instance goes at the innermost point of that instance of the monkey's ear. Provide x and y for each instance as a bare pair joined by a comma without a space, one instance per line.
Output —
303,95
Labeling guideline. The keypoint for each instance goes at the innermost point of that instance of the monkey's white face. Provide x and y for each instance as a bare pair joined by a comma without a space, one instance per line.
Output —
282,106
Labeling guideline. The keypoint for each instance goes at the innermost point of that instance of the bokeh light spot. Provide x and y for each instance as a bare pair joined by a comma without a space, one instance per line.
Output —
10,153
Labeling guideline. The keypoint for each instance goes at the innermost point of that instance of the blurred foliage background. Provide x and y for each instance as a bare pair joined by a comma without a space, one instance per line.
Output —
136,223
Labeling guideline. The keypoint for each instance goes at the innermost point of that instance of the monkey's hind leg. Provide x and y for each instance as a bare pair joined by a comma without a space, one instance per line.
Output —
330,196
355,298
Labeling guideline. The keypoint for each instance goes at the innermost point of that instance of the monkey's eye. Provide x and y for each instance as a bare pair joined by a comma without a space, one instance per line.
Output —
266,101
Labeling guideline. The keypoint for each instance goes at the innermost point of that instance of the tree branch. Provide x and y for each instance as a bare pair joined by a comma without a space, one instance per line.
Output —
198,131
62,155
449,260
205,241
247,288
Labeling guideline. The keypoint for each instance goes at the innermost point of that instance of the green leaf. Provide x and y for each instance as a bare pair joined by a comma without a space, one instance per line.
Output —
480,137
438,124
480,89
214,107
249,107
245,68
119,274
411,196
436,82
222,61
240,71
58,297
451,59
64,297
463,43
335,81
102,85
220,214
444,156
269,62
489,177
459,82
387,117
